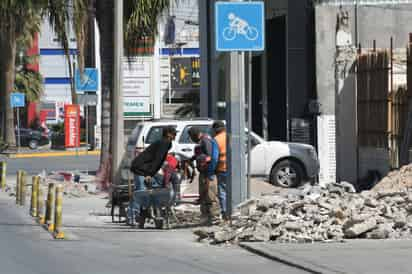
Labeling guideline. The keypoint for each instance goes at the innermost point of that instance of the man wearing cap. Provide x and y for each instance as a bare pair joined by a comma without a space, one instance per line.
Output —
146,165
206,156
221,170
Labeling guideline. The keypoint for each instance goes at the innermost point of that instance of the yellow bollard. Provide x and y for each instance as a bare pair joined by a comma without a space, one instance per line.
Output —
49,208
40,207
34,191
3,168
18,188
58,233
23,188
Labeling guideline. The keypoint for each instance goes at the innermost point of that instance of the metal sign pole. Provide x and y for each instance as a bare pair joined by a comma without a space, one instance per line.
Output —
236,132
18,129
249,123
87,129
238,39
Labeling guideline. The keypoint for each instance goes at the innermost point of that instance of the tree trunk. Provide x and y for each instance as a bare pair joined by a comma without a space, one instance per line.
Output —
7,74
105,20
71,75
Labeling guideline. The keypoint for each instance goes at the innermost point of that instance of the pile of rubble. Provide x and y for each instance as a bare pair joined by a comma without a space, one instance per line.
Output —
396,180
312,214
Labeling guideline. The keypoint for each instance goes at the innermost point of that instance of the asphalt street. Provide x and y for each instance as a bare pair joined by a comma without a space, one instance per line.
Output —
35,165
28,249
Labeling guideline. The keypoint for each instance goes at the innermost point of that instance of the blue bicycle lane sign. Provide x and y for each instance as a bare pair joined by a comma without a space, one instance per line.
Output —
240,26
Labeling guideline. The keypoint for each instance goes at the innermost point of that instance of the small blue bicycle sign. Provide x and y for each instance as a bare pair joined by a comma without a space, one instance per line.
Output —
240,26
89,81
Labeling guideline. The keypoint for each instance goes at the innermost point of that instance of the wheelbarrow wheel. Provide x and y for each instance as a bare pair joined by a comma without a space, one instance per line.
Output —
158,218
158,223
167,217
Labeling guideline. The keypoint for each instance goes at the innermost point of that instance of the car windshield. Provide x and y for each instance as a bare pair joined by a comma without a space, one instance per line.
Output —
156,133
185,138
135,134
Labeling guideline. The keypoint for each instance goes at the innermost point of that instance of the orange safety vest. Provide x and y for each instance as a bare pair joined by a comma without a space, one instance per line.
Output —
221,142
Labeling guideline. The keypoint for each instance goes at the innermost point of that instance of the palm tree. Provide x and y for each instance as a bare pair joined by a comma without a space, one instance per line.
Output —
17,18
141,18
13,15
27,80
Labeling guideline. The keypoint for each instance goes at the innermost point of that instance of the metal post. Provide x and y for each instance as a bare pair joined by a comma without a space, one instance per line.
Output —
235,98
58,233
3,166
18,129
249,123
87,128
117,117
34,196
18,184
40,206
23,188
49,208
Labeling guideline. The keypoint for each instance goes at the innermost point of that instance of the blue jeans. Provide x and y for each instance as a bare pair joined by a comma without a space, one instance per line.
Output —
139,185
221,187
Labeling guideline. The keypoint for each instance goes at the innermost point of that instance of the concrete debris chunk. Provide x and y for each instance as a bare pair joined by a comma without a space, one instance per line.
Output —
381,232
359,228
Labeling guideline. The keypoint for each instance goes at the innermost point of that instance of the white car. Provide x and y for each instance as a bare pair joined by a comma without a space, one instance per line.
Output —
285,164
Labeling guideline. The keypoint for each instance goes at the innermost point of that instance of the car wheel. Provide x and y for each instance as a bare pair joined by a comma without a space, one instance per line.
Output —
33,144
287,173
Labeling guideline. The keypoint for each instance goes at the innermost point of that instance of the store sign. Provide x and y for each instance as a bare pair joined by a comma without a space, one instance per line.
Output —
136,107
137,87
185,73
137,66
72,125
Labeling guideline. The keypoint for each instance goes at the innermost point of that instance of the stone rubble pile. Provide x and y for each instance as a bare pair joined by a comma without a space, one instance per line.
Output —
311,214
396,180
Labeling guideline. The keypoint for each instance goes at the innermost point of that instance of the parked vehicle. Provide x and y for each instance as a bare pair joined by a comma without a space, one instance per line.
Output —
3,146
32,138
285,164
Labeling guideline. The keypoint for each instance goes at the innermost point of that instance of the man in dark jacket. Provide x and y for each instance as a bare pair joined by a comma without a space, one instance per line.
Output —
146,165
206,156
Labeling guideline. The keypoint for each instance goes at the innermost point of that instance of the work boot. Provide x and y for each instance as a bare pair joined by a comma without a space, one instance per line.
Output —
205,220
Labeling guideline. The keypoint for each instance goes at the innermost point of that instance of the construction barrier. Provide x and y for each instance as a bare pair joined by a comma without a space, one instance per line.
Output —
23,188
49,208
58,206
34,195
3,169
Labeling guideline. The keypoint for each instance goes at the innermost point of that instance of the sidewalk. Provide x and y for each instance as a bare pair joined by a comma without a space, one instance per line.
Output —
355,256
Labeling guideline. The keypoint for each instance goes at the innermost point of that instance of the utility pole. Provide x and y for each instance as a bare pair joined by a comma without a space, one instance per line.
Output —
117,115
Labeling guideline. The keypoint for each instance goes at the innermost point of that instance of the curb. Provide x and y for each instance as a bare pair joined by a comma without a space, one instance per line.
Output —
285,259
53,154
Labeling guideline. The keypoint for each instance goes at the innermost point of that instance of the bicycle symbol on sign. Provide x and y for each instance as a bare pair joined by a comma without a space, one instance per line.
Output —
238,26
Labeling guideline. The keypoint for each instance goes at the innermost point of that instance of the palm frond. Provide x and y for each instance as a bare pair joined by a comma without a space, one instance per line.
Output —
80,24
141,19
30,83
